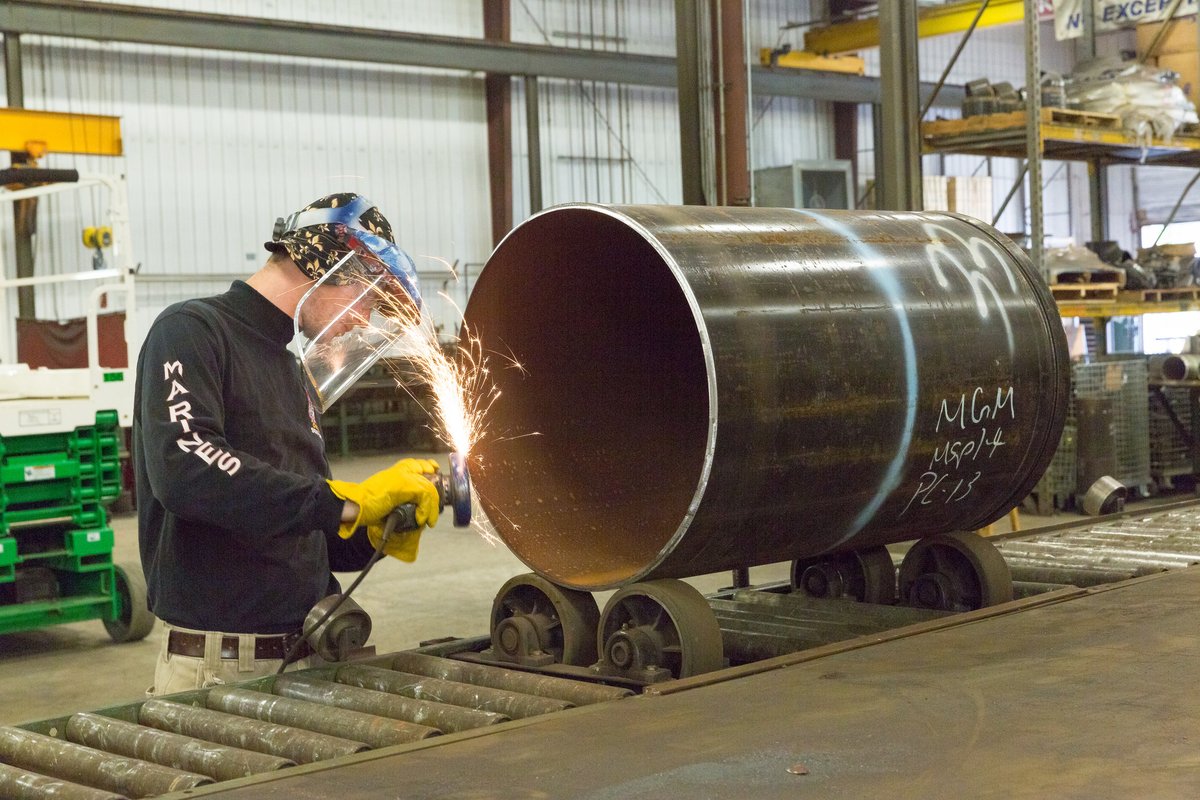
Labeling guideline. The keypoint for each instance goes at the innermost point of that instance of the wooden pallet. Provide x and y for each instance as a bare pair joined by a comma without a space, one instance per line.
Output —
1097,292
1175,293
1062,277
1016,119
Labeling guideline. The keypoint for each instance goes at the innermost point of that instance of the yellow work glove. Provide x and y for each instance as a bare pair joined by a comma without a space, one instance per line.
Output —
401,544
403,482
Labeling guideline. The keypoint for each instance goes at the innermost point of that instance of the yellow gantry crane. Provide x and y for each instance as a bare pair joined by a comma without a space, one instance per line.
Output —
863,34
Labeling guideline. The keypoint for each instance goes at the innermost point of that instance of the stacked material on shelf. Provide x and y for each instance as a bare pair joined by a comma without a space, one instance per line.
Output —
1148,99
1076,264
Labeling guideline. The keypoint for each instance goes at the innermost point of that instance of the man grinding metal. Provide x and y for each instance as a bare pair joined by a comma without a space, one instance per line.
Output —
240,527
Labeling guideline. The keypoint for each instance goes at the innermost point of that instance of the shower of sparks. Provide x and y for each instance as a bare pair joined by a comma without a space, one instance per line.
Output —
458,377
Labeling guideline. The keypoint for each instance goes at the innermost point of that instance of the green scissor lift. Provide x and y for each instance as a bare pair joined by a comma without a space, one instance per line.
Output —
56,546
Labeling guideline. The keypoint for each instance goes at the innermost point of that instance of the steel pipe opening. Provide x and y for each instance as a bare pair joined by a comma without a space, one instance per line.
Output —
707,388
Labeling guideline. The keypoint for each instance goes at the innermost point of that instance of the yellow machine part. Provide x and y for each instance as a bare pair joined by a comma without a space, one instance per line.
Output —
863,34
41,132
97,237
803,59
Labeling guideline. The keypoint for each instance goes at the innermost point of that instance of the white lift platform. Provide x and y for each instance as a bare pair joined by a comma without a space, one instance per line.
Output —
35,401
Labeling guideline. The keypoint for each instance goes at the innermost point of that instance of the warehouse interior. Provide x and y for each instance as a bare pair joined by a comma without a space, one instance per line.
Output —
813,388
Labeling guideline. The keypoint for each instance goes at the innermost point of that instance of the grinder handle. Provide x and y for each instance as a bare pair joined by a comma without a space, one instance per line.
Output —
403,517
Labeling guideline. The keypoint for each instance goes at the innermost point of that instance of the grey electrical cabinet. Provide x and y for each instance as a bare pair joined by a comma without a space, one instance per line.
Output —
805,184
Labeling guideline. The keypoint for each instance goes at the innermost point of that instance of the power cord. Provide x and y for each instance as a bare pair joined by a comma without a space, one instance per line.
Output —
389,527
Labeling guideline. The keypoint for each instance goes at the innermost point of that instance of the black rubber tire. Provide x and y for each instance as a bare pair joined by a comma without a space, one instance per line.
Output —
134,618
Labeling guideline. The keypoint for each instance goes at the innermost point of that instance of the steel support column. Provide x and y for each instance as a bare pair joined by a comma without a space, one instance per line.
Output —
900,183
845,115
24,211
533,138
732,103
498,99
1033,133
687,64
845,137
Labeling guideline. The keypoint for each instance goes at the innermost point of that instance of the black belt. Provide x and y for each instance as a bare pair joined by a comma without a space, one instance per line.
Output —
265,647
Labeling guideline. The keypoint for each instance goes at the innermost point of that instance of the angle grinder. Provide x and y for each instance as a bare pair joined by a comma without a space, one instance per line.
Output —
337,626
454,490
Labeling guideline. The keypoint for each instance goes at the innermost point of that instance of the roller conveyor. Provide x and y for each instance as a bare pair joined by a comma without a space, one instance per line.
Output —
1114,548
163,745
196,741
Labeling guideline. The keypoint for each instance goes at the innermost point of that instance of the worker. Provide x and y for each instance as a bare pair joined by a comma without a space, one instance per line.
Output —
239,526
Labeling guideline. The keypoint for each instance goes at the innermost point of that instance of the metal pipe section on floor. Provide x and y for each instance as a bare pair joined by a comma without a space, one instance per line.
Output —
706,388
1184,367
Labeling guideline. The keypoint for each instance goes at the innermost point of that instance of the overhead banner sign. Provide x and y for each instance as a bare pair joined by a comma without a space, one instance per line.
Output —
1110,15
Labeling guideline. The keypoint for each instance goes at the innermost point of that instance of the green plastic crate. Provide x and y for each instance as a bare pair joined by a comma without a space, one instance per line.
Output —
89,542
8,559
63,474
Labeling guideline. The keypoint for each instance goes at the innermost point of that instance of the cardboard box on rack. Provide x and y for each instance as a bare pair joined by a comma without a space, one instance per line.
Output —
1181,37
971,195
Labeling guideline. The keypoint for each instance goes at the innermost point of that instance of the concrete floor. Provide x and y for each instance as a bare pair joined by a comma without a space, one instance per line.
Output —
448,591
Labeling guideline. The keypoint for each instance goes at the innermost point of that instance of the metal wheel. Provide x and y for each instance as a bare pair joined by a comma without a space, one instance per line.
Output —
955,572
133,619
657,627
866,575
535,622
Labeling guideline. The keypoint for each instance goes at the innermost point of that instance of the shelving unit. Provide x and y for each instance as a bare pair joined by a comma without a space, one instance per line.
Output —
1064,135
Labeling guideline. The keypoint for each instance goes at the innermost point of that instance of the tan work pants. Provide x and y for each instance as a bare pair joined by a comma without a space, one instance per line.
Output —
177,673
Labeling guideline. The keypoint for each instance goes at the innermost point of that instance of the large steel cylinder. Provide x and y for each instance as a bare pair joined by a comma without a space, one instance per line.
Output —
705,388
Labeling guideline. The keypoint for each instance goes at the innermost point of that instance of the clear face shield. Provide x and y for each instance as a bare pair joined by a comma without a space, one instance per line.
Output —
346,321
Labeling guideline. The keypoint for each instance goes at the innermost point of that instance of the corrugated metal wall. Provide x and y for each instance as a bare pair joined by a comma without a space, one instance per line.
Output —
601,142
219,144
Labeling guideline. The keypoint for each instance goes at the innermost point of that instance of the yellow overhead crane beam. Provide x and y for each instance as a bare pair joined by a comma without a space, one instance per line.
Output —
863,34
802,59
41,132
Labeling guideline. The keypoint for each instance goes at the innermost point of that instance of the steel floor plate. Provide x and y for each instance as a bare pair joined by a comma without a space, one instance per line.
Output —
1094,697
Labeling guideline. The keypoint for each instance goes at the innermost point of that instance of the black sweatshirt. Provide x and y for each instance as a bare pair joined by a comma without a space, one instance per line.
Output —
236,524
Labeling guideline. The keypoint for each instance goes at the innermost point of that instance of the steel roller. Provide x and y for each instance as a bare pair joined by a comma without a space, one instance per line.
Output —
444,717
75,763
21,784
508,680
217,761
708,388
353,725
284,741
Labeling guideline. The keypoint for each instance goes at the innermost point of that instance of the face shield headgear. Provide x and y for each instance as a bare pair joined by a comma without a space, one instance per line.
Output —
366,291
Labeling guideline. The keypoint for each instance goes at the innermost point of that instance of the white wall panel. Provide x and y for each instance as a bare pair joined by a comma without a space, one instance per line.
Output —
217,145
443,17
785,129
